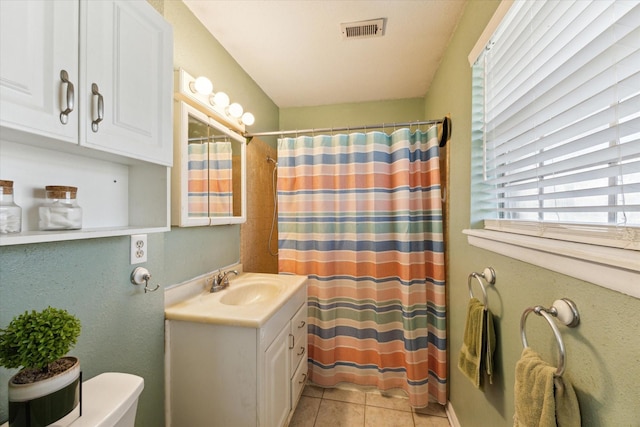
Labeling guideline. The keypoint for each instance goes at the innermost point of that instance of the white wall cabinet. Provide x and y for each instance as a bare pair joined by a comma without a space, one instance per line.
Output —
51,55
39,41
127,63
208,179
117,91
225,375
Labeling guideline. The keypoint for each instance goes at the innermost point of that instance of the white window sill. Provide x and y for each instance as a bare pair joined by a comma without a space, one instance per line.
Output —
612,268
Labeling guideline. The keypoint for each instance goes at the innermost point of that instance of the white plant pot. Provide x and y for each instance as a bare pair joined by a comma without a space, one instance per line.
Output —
44,402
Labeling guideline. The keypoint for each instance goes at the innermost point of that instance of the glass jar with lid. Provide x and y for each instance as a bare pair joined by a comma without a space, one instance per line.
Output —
60,211
10,213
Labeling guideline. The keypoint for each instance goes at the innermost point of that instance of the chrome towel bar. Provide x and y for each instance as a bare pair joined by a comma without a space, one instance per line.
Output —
566,312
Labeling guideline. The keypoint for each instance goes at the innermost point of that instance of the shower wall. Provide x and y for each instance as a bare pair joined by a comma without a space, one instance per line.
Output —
254,234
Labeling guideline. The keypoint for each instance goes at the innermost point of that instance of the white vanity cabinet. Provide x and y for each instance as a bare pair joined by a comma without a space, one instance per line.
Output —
226,375
86,93
94,73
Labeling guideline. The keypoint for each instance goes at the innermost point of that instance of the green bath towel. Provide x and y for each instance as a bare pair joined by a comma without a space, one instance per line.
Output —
541,400
478,343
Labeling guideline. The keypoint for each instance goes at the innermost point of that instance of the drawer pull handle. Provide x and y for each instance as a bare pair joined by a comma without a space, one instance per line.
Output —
96,91
304,378
302,323
64,114
302,349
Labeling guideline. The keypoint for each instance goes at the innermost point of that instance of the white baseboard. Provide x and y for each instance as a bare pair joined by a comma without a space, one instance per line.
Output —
451,415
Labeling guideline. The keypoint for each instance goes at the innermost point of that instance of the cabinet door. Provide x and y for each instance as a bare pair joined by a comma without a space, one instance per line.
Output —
127,85
277,380
38,41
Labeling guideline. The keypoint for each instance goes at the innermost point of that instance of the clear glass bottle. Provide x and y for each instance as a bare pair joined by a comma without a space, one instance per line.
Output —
10,213
60,210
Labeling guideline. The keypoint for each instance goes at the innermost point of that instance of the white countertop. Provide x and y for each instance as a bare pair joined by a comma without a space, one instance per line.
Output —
206,307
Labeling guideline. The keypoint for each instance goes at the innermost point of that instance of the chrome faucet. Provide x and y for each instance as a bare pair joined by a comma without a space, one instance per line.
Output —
221,280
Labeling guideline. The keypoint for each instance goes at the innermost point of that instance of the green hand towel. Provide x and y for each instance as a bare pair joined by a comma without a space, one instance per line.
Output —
542,400
470,358
489,343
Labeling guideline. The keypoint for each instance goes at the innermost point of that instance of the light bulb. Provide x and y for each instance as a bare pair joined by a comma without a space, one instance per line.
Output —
235,110
220,99
248,119
201,85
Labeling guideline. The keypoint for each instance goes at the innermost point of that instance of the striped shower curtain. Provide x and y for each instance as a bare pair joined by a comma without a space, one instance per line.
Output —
361,215
210,179
220,179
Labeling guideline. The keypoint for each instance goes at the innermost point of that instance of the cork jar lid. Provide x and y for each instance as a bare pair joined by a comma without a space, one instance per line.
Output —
61,191
7,186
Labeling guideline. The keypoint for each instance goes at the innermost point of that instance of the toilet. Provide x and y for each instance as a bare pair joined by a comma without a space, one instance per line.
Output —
108,400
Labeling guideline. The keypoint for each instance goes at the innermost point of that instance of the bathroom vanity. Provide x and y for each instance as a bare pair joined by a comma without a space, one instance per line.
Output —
238,357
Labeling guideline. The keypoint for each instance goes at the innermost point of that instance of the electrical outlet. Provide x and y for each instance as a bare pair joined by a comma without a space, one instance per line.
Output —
139,248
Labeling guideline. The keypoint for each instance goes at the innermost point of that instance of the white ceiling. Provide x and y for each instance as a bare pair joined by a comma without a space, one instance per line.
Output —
295,52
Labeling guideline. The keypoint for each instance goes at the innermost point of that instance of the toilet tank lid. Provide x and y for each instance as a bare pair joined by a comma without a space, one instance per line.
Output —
107,397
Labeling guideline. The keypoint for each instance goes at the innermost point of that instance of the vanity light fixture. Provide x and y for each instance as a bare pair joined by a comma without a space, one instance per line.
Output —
200,91
201,85
220,99
248,119
235,110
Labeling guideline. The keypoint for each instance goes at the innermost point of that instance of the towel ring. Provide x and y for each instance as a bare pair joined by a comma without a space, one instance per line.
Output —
484,290
539,310
489,275
567,312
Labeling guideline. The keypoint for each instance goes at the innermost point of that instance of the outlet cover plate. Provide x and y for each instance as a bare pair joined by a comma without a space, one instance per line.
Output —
139,248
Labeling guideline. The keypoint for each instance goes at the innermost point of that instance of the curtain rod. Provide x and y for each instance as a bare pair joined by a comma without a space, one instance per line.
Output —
446,129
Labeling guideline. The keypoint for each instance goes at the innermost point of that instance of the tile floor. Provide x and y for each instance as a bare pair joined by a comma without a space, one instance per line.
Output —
341,407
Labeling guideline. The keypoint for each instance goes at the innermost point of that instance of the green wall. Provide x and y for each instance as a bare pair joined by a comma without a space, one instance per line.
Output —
123,328
352,114
603,352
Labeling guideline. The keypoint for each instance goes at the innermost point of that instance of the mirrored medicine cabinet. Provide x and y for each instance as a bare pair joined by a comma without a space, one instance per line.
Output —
208,185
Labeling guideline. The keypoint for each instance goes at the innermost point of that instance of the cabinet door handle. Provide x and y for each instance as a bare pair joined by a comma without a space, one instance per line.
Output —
302,350
302,323
64,114
95,91
292,341
304,378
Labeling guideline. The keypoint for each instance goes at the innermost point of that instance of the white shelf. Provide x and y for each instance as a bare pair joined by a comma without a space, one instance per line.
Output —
61,236
118,196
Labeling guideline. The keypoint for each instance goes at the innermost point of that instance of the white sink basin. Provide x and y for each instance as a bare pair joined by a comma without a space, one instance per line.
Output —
250,300
250,293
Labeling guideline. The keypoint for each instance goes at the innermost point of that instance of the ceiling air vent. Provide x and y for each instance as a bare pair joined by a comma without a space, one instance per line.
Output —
362,29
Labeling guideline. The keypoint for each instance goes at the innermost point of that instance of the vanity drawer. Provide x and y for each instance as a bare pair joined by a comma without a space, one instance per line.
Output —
298,381
299,324
298,345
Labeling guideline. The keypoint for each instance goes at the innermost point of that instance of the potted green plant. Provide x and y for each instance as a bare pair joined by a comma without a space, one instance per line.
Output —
47,388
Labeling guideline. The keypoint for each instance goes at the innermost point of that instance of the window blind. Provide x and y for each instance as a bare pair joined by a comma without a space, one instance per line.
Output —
561,120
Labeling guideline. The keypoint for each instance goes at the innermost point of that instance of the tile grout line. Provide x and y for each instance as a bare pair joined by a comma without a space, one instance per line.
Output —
315,419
